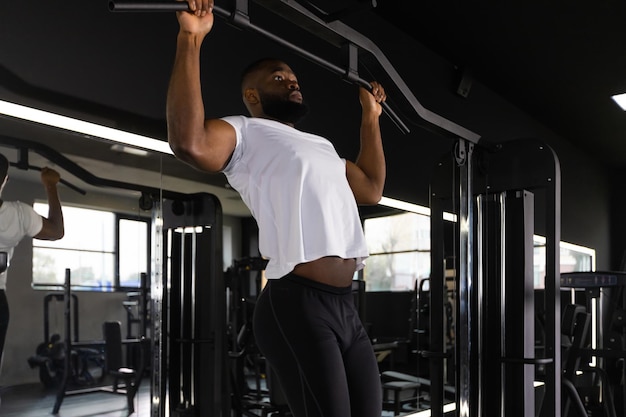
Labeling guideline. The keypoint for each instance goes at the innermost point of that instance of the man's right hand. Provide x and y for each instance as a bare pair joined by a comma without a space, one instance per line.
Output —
49,176
199,20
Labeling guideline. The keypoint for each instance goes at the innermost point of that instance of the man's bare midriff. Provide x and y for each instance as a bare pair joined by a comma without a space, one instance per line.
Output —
330,270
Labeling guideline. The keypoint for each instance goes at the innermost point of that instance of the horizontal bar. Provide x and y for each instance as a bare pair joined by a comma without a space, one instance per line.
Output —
337,33
172,6
148,6
527,361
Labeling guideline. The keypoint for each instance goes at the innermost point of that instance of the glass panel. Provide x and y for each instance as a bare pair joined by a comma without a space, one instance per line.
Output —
88,269
397,233
91,260
98,226
133,255
396,272
574,258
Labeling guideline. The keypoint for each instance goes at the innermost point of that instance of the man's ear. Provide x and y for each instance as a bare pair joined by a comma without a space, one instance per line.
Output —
250,96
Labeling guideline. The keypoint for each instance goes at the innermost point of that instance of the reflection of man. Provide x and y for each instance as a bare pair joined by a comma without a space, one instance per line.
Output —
18,220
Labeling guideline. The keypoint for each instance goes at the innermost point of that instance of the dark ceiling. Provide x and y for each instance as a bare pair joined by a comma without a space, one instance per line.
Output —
557,61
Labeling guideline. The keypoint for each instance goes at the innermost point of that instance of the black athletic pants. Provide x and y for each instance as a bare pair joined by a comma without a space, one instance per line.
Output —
4,320
312,337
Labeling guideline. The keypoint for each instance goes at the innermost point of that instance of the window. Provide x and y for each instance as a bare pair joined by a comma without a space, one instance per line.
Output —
573,258
399,247
102,250
133,247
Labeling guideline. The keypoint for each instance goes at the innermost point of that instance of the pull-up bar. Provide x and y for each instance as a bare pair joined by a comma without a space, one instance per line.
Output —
334,32
172,6
150,6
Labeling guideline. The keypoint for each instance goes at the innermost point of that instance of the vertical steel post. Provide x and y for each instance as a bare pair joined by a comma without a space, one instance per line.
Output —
467,405
158,286
436,346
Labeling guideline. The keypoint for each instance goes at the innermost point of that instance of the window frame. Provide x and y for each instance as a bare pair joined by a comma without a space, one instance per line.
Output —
116,278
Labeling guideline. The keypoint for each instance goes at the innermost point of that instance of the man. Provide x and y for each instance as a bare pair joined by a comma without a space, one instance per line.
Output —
19,220
304,199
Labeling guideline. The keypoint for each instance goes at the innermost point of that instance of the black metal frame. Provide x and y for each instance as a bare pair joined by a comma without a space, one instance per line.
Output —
329,29
509,167
190,362
64,388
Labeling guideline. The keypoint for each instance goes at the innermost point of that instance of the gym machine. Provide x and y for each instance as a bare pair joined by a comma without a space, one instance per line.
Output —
599,378
76,356
4,262
189,361
498,195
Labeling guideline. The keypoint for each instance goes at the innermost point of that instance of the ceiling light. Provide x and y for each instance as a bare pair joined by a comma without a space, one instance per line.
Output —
620,99
80,126
118,147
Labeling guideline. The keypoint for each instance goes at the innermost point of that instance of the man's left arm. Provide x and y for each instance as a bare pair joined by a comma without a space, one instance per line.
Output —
366,175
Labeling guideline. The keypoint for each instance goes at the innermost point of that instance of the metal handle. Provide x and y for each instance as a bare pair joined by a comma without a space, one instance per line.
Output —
148,6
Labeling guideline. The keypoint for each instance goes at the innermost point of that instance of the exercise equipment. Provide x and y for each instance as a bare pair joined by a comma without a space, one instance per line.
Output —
4,261
602,295
74,356
175,6
86,363
334,32
114,364
137,310
490,243
148,6
189,356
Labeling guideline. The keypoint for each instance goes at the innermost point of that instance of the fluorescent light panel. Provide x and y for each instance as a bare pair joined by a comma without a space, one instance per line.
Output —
403,205
414,208
80,126
118,147
620,99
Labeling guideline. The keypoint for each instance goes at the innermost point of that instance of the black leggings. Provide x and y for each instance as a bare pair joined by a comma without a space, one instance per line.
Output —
312,337
4,320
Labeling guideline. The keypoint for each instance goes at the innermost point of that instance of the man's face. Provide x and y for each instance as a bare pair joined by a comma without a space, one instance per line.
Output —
280,108
280,94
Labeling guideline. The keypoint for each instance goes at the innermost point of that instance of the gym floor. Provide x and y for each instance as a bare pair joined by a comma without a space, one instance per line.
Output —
33,400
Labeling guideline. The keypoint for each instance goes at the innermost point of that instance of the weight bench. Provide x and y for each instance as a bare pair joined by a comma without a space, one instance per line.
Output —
399,389
405,389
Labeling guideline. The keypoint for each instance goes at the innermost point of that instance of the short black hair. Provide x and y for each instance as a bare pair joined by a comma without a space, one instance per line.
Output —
4,167
255,66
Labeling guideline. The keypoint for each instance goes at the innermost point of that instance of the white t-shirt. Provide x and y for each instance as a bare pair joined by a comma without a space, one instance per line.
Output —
17,220
296,187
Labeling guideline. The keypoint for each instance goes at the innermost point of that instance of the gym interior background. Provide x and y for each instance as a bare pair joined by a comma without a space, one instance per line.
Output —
502,73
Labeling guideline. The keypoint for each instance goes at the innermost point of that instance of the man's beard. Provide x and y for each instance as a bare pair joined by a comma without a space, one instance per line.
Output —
282,109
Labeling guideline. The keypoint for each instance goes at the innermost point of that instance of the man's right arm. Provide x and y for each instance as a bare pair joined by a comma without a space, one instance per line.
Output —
205,144
53,226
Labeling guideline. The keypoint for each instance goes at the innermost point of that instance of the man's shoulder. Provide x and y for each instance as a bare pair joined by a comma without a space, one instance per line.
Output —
19,213
17,207
12,205
235,119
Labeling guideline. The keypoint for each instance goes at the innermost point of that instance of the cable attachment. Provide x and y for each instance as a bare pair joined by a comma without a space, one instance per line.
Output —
460,153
